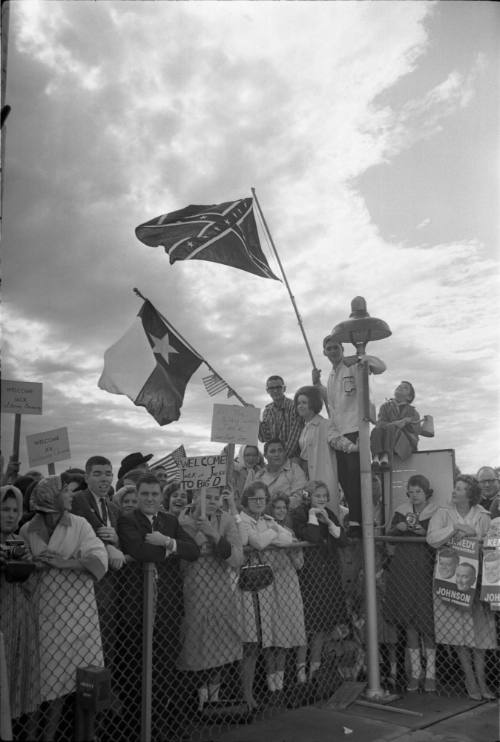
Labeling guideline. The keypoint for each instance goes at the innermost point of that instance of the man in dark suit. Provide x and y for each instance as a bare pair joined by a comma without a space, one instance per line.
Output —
94,505
150,535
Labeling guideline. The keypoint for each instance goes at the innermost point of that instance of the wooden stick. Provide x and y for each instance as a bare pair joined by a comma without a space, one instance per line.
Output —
284,278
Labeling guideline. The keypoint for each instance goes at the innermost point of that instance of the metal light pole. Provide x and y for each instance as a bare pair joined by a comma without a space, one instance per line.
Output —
359,329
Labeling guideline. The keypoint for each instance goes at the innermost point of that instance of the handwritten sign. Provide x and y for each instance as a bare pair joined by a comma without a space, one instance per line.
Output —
22,397
45,448
235,424
203,471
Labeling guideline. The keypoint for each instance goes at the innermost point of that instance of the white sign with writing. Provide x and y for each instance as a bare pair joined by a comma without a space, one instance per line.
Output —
203,471
235,424
45,448
22,397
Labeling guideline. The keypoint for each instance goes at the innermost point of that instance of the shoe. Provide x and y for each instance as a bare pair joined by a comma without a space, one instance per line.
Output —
473,692
271,682
301,674
375,463
384,461
412,685
488,695
429,685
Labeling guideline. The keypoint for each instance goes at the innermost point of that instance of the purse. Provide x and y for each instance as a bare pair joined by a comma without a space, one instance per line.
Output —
427,426
255,577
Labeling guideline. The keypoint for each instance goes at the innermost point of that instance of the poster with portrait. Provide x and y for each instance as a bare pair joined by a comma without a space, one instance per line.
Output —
456,570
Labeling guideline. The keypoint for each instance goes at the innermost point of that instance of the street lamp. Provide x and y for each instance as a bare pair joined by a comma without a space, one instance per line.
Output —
360,329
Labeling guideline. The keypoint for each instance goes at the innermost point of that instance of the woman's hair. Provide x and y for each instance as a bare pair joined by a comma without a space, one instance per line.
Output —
310,488
10,491
313,395
418,480
67,477
279,497
270,443
170,489
252,490
473,488
412,390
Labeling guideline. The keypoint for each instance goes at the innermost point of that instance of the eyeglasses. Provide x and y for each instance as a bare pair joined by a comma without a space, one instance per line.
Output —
487,481
256,499
274,388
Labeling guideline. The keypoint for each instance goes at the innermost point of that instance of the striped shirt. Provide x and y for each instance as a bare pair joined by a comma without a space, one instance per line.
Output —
283,423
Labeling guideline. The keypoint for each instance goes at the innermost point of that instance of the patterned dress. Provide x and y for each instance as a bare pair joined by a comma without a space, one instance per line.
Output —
273,617
68,623
453,625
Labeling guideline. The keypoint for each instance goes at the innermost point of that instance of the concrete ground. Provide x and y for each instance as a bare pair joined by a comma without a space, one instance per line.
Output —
419,718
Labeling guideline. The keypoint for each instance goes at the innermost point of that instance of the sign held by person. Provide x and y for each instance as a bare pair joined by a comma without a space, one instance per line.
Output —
203,471
235,424
48,447
22,397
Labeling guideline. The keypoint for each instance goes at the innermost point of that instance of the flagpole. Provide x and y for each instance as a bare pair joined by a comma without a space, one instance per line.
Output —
284,278
188,345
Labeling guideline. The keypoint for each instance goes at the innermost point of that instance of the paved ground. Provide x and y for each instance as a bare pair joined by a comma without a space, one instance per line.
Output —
418,719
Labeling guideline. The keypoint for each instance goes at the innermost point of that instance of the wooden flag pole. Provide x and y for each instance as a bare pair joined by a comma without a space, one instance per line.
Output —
284,278
188,345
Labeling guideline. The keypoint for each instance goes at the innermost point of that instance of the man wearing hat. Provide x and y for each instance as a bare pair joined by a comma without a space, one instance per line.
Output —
340,395
134,461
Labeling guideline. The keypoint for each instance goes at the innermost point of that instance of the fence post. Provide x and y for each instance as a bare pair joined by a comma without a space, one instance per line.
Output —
147,650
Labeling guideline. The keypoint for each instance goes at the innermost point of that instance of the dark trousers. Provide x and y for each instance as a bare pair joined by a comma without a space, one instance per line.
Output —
350,479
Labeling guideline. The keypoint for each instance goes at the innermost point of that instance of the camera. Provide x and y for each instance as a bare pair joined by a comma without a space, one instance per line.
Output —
13,549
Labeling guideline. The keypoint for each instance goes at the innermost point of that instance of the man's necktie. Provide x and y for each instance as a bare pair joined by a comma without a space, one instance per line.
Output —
154,523
104,510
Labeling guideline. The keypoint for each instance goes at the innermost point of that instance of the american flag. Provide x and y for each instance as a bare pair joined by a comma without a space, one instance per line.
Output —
171,463
214,384
221,233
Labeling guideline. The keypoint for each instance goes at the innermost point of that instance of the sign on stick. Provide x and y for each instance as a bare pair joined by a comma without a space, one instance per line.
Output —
235,424
22,397
45,448
203,471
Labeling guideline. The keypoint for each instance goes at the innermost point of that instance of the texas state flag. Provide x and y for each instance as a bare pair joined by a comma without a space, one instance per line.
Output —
151,365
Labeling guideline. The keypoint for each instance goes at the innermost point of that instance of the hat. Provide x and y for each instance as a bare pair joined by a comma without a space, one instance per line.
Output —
131,461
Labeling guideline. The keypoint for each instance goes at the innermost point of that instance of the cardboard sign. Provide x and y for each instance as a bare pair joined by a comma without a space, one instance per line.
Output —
235,424
203,471
22,397
455,574
490,584
45,448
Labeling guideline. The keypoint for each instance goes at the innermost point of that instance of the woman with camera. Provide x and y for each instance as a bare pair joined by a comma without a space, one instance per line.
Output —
70,557
18,620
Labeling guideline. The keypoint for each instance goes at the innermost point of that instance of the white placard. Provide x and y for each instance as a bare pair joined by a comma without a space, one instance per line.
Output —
235,424
47,447
22,397
203,471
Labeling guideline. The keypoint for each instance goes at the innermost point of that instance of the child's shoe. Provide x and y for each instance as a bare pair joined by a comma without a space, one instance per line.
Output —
384,461
412,685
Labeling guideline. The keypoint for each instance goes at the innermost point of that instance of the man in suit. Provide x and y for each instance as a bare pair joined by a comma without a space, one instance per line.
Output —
94,505
150,535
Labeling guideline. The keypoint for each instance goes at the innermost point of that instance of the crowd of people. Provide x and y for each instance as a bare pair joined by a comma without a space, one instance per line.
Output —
294,506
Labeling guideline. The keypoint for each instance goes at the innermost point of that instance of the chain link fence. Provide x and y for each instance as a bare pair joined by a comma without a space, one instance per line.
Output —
188,655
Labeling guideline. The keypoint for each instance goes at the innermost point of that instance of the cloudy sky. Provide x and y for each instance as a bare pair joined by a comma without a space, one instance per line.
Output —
370,133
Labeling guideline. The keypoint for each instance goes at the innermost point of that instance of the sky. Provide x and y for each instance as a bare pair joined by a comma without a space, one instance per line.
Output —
370,131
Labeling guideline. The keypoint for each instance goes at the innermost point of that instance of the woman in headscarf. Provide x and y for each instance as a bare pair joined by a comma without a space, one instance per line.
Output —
70,557
18,620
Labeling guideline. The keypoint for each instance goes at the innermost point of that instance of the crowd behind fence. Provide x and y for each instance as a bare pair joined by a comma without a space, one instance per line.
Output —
148,624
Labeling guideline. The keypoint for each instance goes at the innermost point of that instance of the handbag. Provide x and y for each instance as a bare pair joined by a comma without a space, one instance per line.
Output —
255,577
427,426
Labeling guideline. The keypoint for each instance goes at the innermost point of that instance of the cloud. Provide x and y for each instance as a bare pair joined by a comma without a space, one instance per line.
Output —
124,111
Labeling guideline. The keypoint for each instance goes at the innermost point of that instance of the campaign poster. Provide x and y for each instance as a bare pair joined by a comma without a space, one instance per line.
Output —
490,582
456,571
